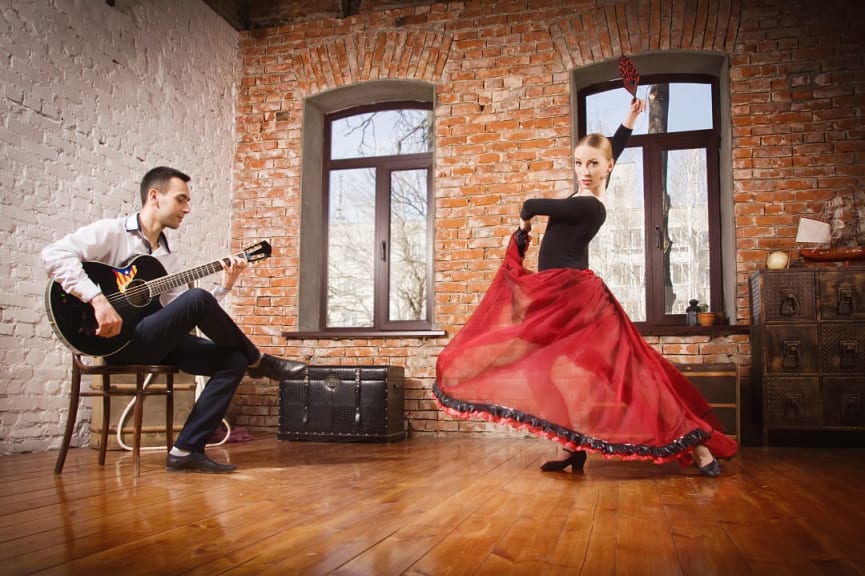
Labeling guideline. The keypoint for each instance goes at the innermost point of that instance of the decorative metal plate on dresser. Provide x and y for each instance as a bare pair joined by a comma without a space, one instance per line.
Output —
808,347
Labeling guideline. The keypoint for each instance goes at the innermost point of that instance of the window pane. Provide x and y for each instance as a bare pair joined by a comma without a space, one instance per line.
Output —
687,267
351,248
408,245
618,252
688,107
381,133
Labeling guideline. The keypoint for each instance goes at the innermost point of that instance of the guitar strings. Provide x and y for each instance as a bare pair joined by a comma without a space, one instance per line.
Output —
127,297
172,281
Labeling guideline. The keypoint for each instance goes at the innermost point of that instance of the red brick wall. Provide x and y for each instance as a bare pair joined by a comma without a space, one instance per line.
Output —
503,134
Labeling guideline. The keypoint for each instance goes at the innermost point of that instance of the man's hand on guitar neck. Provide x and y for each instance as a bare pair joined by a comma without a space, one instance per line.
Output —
232,267
108,320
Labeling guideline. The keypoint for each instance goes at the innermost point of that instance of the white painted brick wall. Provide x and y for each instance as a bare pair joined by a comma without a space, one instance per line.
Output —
91,97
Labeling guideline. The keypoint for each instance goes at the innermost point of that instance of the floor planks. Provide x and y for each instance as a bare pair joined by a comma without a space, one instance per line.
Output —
433,506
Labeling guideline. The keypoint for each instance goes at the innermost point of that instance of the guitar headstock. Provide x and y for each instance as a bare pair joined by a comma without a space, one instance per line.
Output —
258,251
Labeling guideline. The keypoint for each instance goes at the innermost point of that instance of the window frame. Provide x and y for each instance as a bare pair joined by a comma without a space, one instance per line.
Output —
652,147
384,167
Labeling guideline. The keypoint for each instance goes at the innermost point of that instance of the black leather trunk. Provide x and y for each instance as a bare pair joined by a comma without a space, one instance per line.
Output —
343,403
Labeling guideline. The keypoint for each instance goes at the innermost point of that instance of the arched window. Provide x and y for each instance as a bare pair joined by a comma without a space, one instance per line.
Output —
367,201
663,241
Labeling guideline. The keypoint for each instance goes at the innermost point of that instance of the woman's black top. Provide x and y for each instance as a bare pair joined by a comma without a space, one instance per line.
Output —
573,221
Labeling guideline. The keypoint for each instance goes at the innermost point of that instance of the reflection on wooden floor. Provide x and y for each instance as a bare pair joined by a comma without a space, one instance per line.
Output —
433,506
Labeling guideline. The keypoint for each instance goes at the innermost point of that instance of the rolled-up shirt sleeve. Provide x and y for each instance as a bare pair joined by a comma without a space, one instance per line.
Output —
63,259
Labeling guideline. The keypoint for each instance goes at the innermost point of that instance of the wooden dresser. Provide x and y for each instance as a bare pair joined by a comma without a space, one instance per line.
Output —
808,347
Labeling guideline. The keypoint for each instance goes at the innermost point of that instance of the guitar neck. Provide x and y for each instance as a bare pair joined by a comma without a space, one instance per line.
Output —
167,283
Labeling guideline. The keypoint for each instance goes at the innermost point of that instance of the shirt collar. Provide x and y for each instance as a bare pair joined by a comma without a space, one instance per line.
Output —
133,224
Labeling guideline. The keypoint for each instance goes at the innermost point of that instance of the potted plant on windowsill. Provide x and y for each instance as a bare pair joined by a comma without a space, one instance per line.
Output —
704,317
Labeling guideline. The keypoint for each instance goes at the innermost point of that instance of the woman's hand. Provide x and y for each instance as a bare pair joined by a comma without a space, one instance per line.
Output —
522,237
636,108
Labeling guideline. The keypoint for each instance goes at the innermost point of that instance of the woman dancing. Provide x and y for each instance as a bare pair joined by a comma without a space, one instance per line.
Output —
553,351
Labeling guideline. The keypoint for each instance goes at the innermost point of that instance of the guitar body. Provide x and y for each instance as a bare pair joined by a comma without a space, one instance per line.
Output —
74,321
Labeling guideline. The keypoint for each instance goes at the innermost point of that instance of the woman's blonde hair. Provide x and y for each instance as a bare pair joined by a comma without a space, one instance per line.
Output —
598,141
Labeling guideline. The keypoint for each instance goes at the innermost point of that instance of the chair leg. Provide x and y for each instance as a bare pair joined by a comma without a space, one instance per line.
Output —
169,410
70,418
106,416
138,417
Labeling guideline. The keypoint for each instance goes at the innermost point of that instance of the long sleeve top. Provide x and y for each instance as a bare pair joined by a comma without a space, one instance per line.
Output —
573,221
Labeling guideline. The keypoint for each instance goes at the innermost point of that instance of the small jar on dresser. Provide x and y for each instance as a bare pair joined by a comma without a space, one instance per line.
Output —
808,347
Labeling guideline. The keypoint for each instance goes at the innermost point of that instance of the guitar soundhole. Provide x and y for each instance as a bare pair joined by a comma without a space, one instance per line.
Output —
137,293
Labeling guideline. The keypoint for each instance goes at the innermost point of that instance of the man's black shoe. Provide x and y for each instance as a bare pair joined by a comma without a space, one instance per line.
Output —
196,462
276,368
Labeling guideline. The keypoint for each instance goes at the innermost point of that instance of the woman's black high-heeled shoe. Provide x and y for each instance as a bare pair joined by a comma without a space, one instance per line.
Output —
712,469
576,460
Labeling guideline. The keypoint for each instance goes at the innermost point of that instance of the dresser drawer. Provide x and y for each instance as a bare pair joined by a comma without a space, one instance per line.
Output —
784,296
842,295
842,347
792,349
843,401
792,402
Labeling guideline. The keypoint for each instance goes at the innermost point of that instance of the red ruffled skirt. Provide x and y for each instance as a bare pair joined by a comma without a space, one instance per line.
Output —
554,353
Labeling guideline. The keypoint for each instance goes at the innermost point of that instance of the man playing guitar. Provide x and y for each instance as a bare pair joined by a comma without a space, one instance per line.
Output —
160,331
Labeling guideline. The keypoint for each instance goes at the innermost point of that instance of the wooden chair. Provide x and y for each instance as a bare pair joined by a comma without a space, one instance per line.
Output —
144,373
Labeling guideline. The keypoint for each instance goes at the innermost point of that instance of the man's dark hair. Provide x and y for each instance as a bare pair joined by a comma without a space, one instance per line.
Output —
158,178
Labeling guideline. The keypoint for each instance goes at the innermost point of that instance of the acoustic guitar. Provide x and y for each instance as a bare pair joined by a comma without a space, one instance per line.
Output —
133,291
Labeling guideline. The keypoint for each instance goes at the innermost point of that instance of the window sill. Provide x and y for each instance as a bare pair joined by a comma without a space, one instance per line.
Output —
342,335
718,330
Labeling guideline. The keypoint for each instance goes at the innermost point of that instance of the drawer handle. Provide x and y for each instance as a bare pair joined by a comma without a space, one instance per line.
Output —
846,301
790,304
847,351
792,357
850,408
792,407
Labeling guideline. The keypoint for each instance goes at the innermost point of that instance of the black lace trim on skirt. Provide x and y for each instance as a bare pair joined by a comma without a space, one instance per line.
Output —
678,446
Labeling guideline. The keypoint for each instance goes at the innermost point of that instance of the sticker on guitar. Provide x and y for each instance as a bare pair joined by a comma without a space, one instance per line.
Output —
125,276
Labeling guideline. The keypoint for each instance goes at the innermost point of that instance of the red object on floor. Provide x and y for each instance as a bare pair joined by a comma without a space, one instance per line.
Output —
237,435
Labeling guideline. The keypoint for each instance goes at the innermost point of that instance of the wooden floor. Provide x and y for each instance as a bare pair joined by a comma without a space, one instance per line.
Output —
433,506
